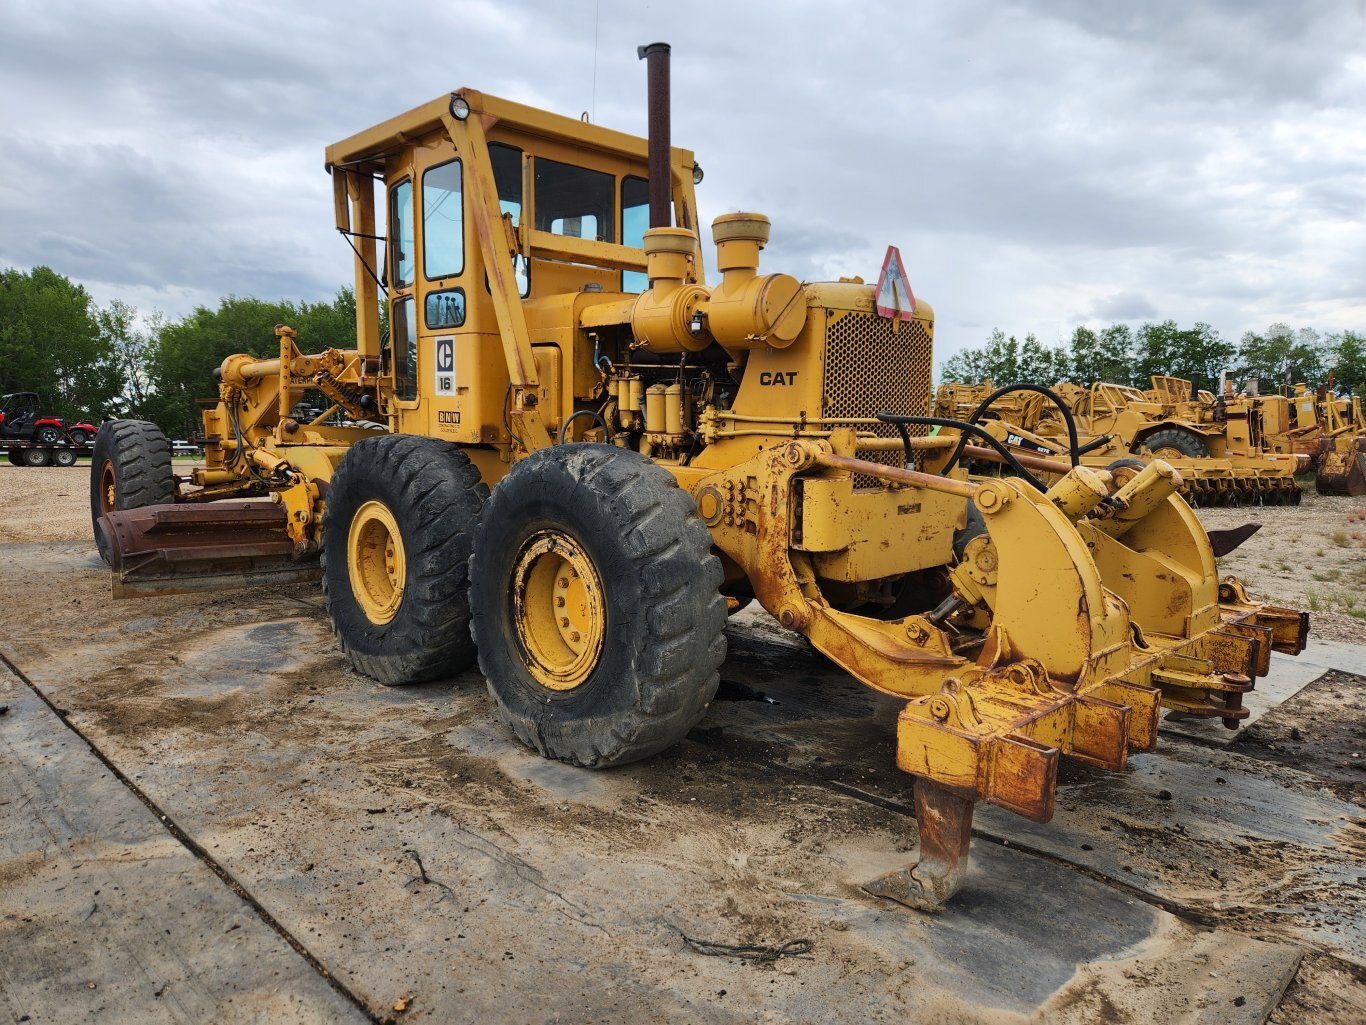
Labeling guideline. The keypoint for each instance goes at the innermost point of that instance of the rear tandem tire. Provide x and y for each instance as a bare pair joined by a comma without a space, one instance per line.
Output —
63,457
607,536
132,459
404,618
35,457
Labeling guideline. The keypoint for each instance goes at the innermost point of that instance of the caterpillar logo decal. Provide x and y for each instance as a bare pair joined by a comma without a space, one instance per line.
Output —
445,366
778,378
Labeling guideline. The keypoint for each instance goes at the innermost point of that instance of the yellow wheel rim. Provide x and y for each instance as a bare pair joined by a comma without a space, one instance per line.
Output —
1168,452
558,609
108,488
376,562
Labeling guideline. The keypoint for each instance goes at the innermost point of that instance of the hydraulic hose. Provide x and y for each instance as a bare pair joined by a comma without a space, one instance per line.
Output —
967,428
1073,450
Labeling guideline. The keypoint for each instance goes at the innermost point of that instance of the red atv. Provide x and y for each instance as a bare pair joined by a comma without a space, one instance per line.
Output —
22,419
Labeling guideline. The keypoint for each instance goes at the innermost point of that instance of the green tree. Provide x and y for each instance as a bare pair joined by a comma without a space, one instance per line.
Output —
183,354
129,345
1281,357
1105,355
51,344
1196,353
997,361
1345,356
1039,364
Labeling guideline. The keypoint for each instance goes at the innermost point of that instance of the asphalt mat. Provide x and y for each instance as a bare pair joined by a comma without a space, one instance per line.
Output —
396,848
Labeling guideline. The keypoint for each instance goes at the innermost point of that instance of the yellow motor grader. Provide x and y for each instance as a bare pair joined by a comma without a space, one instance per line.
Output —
569,456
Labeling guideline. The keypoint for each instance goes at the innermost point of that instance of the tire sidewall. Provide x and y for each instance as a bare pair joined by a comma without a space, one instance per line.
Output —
144,466
561,505
350,620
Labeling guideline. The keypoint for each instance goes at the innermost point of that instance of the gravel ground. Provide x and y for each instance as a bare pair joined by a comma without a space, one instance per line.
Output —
1310,556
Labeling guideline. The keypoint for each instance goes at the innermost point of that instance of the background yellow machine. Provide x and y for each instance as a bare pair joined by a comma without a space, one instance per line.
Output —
569,455
1235,450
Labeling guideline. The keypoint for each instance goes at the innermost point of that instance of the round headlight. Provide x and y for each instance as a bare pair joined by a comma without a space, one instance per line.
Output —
460,108
696,173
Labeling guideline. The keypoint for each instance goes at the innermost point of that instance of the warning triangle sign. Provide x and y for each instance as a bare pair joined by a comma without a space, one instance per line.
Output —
894,298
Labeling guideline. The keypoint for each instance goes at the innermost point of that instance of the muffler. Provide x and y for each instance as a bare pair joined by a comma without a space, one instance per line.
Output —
180,549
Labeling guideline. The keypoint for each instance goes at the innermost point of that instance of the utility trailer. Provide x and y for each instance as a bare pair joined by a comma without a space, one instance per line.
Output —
37,453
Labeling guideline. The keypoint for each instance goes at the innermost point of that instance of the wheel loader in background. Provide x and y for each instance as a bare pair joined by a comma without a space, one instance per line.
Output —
571,455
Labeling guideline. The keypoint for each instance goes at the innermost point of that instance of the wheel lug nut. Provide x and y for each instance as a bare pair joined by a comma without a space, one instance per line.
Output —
576,637
564,621
563,581
559,603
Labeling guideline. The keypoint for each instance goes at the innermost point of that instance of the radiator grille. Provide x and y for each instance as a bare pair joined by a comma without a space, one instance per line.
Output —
869,369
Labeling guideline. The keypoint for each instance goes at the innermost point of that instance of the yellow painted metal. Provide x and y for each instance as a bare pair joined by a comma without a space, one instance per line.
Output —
1056,624
376,563
560,611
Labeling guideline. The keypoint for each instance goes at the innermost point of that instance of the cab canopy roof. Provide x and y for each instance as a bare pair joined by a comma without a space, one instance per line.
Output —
366,150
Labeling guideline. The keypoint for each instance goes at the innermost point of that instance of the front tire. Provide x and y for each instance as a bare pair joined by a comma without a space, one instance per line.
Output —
63,457
47,435
35,456
130,468
597,605
78,437
401,512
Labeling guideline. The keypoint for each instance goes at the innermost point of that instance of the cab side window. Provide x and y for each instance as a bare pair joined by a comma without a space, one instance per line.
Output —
507,176
402,251
635,218
443,222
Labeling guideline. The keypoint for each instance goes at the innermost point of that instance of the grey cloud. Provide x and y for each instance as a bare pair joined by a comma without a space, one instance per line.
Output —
1037,162
1124,306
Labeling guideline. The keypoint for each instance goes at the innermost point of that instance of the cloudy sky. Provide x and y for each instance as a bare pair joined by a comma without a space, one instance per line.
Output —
1041,164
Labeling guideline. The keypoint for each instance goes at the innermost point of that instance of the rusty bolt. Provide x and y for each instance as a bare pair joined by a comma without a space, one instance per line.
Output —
564,621
916,632
563,582
939,708
575,636
559,603
990,499
792,619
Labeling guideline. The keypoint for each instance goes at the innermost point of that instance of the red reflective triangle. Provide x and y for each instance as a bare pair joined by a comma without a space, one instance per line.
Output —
894,297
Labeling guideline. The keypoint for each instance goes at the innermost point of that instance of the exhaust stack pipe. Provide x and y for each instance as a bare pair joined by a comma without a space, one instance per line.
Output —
661,176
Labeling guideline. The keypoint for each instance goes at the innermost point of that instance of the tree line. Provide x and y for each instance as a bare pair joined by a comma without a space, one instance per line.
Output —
87,361
1119,354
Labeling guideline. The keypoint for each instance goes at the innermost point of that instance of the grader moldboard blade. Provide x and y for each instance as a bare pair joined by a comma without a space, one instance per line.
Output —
178,549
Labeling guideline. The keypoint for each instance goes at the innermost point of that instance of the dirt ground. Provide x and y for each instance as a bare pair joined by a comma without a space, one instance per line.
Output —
415,852
1311,556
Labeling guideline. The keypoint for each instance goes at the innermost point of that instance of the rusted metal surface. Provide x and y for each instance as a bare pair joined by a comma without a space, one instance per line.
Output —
894,473
944,821
1342,470
656,56
1029,462
174,549
1222,542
